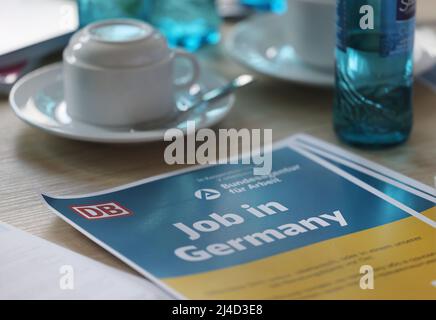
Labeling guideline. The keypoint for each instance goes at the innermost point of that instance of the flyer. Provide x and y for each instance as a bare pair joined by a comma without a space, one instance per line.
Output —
303,232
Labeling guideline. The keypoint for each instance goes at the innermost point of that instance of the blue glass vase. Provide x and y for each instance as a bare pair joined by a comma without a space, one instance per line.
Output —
187,23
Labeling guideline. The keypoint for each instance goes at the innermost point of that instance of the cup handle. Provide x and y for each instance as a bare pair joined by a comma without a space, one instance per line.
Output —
182,54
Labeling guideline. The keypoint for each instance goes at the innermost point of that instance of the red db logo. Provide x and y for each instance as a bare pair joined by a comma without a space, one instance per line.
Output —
101,211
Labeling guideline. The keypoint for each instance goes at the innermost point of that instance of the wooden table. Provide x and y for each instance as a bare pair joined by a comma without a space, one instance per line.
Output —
32,162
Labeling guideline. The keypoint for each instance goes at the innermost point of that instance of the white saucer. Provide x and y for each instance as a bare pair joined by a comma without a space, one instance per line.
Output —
38,99
260,44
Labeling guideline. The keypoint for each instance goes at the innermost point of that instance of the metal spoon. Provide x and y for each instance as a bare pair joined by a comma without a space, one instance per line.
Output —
214,94
197,99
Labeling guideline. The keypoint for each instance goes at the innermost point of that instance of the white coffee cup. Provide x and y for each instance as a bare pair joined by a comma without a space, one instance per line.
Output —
312,31
119,72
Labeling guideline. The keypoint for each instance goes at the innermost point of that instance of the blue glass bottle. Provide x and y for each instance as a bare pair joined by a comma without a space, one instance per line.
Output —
374,72
276,6
94,10
187,23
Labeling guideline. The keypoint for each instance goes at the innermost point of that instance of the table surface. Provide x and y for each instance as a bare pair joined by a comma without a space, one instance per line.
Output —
33,162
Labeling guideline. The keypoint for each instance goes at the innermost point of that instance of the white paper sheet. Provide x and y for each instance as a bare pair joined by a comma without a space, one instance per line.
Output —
33,268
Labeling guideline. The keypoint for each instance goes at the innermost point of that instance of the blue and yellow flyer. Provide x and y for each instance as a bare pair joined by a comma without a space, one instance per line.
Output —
305,231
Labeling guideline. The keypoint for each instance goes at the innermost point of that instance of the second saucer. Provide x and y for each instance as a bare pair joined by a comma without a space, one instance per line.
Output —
261,44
